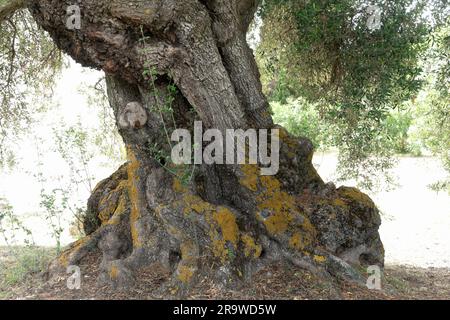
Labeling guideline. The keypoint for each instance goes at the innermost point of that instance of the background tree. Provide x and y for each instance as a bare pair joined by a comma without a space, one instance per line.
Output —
356,61
29,63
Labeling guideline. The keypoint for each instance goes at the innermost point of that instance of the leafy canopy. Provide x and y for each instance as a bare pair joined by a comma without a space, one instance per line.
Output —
334,55
29,64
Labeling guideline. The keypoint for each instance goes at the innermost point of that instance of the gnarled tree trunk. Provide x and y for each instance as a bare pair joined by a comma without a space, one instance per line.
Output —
227,220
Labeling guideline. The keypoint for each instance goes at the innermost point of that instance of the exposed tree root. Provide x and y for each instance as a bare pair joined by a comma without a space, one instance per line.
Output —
143,219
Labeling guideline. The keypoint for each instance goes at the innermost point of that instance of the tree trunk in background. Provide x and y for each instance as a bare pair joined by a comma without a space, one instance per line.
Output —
226,221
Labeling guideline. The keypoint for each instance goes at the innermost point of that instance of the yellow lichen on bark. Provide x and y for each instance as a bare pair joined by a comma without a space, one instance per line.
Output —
250,176
195,203
251,248
227,223
339,202
119,211
191,202
114,272
110,209
178,186
277,223
319,259
174,232
64,258
135,197
354,194
185,273
222,221
107,212
277,209
281,206
286,138
219,247
189,255
296,241
188,251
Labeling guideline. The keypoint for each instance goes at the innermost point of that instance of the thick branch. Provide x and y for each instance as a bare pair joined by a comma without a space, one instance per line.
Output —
231,21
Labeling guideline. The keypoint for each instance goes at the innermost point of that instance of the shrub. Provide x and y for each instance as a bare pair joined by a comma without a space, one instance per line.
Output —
19,262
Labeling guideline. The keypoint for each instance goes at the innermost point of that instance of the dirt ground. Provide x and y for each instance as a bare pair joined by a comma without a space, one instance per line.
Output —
274,282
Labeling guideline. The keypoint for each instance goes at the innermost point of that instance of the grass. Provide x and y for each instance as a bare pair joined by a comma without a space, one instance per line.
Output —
17,263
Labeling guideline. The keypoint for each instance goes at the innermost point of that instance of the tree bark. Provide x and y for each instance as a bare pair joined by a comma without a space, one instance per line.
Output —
227,221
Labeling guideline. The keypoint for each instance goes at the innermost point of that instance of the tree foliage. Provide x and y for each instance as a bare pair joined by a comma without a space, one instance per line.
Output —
433,109
334,55
29,64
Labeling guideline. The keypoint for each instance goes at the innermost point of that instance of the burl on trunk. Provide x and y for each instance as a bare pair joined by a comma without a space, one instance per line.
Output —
169,63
